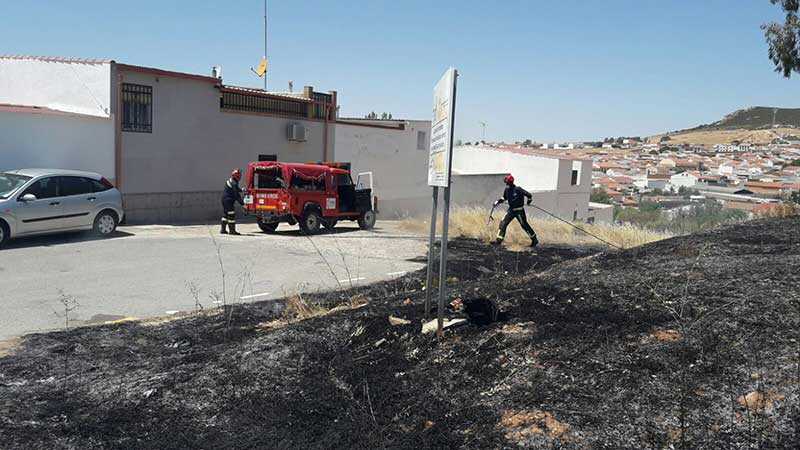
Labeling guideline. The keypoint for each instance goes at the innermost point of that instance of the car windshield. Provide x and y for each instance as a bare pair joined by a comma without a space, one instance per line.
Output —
10,182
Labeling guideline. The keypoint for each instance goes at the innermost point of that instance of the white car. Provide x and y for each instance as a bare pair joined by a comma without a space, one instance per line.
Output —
39,201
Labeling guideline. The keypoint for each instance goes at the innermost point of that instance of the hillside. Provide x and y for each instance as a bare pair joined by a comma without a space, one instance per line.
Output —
756,125
709,137
760,117
689,342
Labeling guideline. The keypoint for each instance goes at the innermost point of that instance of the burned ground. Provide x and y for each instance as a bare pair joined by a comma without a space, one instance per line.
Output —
690,342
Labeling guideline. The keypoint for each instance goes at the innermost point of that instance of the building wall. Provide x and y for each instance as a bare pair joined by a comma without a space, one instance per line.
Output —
78,87
193,147
601,213
549,179
532,172
683,179
482,190
399,166
40,140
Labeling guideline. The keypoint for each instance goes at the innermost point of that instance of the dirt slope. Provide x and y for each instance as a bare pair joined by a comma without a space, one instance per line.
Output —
690,342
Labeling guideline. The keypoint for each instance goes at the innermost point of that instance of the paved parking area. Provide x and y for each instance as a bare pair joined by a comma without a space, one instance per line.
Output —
148,271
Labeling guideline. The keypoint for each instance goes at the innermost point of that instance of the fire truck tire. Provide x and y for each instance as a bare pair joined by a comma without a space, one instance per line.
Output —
330,223
268,227
310,221
367,220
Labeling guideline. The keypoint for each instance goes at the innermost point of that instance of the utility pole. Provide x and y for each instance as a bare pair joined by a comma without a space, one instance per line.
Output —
265,43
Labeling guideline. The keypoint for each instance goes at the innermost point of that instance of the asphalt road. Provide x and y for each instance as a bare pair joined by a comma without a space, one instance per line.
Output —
148,271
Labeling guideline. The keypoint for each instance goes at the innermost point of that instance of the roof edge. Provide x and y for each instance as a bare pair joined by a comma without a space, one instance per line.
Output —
167,73
57,59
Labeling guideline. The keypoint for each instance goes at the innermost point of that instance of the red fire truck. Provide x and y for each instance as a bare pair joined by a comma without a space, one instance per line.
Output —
311,195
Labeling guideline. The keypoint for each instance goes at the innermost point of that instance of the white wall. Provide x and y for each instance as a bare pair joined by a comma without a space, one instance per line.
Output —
532,172
400,169
40,140
683,179
83,88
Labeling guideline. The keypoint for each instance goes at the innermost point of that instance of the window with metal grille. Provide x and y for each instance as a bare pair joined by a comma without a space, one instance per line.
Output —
421,140
137,108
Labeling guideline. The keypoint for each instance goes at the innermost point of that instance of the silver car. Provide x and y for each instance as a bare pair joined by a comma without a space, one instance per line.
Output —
39,201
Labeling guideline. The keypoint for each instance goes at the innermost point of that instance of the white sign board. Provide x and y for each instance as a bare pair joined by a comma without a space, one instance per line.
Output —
441,128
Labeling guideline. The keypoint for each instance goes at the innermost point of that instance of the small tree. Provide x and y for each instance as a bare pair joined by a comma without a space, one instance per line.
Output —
600,196
665,139
784,39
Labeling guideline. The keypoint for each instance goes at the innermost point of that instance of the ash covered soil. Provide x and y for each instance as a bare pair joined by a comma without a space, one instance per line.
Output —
690,342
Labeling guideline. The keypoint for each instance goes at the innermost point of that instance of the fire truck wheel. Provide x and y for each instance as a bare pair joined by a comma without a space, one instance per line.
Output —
310,221
268,227
367,220
330,223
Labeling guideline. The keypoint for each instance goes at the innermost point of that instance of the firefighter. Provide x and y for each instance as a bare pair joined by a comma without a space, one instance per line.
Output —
515,196
230,196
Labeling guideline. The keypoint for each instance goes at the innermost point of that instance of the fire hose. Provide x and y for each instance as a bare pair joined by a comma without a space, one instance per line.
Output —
562,220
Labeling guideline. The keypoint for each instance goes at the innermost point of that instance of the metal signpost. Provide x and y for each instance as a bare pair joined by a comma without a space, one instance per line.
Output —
439,165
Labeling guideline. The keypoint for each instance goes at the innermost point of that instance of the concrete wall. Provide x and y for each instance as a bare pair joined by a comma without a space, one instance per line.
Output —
400,168
549,179
573,200
601,213
79,87
483,190
43,140
193,147
532,172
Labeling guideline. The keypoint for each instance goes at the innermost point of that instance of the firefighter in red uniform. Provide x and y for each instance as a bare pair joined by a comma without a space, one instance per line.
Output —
230,196
515,196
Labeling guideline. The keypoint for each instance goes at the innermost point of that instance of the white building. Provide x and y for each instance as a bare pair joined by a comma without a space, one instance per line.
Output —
685,179
56,112
396,152
561,185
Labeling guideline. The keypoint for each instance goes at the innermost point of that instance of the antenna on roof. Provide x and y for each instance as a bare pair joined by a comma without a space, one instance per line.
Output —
261,71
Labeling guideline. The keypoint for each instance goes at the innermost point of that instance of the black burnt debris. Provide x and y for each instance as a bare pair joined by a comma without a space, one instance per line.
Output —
686,343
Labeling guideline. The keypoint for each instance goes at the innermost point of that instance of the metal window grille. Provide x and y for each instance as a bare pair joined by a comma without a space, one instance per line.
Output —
137,108
237,101
421,140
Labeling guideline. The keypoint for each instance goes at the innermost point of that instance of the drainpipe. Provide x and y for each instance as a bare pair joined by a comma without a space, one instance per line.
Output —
118,135
325,144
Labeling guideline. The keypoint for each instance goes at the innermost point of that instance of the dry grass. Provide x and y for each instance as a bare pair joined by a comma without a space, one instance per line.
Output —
779,210
298,309
712,137
471,223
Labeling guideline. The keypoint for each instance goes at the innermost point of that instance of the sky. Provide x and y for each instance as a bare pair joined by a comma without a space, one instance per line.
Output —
542,70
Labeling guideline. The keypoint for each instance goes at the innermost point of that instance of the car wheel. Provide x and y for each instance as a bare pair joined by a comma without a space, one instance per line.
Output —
310,221
268,227
105,223
330,223
367,220
4,234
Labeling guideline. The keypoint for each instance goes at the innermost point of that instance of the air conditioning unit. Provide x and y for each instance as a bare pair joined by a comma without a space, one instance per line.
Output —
296,132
